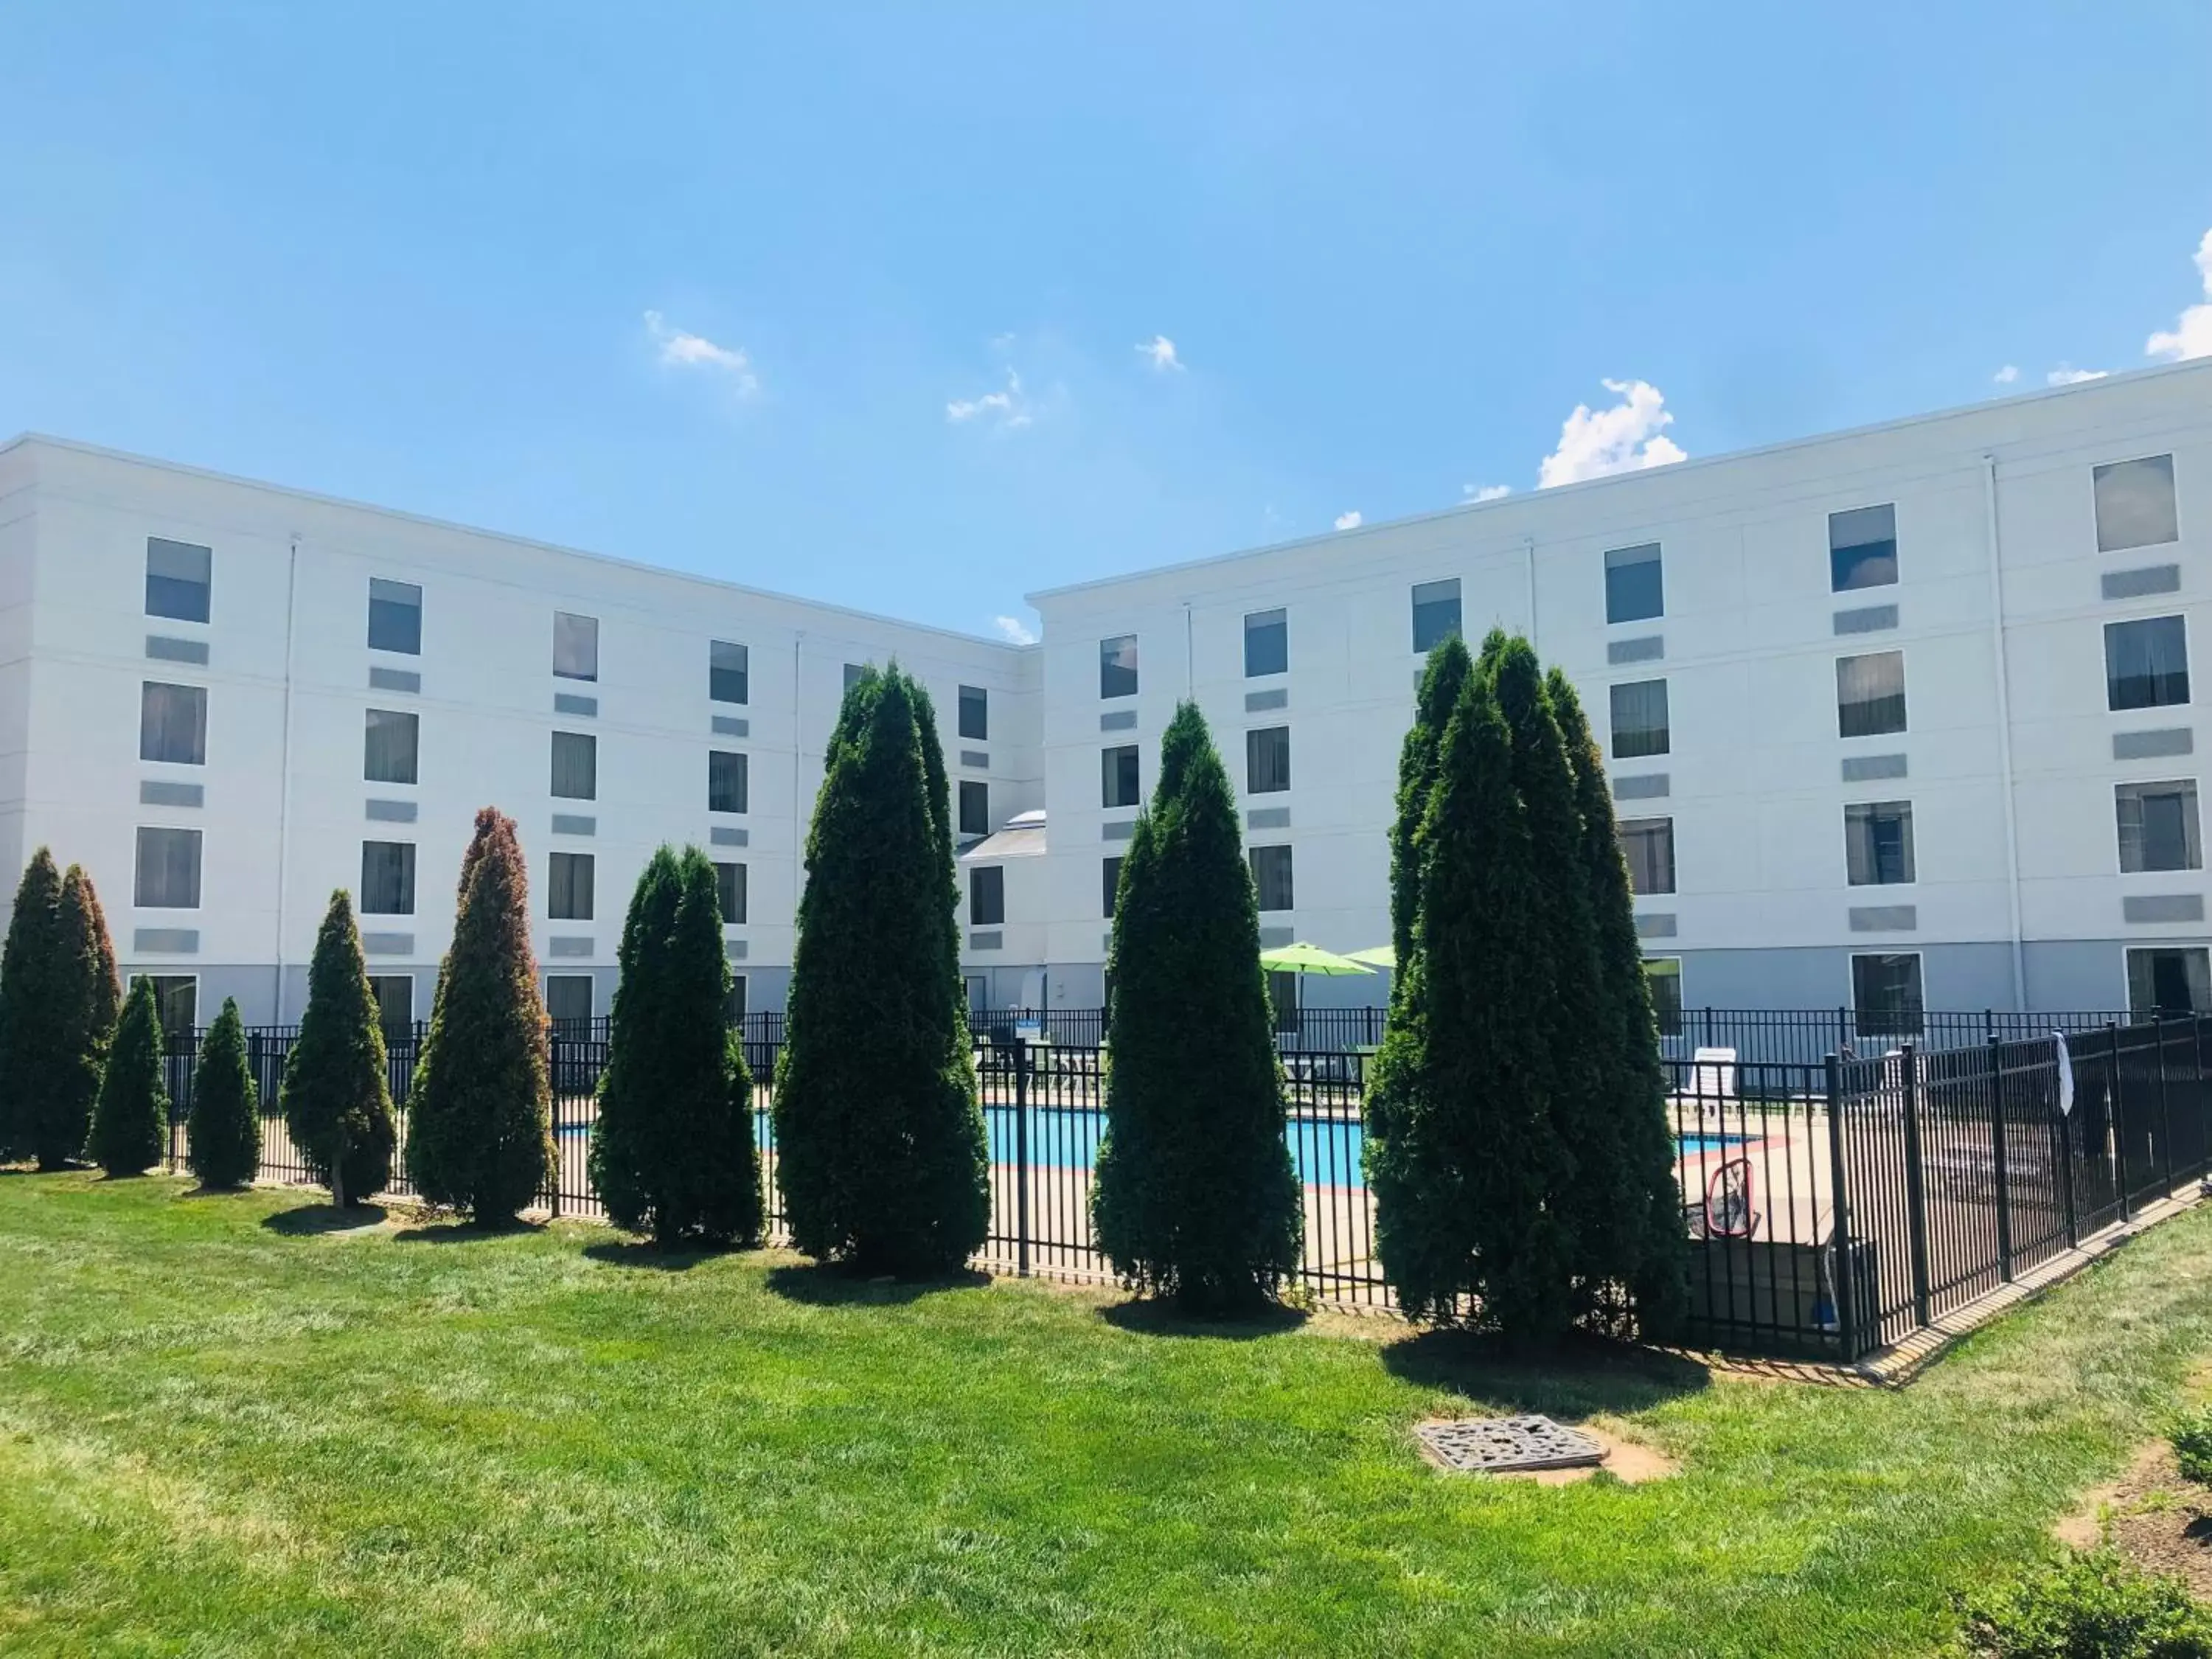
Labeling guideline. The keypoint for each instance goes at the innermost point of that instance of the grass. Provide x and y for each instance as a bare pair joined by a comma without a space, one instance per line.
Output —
227,1427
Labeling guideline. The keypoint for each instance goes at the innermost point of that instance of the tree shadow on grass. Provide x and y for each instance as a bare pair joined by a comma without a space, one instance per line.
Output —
833,1284
312,1219
1582,1377
644,1252
201,1189
459,1230
1160,1316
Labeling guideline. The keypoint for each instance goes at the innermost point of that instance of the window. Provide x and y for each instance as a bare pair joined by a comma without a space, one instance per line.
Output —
733,1005
1110,871
1886,994
1270,875
2146,663
1663,978
853,672
2158,826
987,896
2135,504
575,647
176,1000
2169,980
975,807
569,999
395,617
1862,548
1639,719
1878,843
1268,760
1119,765
1117,666
975,712
1266,643
395,1003
1870,694
390,746
730,892
575,766
177,580
1436,612
1633,588
1648,844
1283,999
388,877
569,896
726,782
173,723
979,993
728,666
168,869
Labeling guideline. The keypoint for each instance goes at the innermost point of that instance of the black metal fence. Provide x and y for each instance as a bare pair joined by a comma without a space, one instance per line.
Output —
1807,1037
1833,1204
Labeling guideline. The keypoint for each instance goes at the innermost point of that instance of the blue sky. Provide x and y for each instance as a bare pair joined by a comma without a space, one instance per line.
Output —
875,304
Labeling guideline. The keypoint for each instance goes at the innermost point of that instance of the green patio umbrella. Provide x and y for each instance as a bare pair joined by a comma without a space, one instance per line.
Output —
1303,958
1376,955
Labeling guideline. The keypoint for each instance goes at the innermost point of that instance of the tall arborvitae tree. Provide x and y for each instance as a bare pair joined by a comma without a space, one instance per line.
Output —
131,1118
673,1152
223,1131
1646,1232
1462,1155
479,1128
38,1067
1447,668
879,1142
1196,1195
95,1001
337,1102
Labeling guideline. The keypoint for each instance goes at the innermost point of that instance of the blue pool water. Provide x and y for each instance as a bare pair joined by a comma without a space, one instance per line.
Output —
1692,1145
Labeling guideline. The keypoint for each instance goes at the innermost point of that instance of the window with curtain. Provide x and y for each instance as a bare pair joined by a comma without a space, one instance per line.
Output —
1870,694
975,807
1648,844
168,873
1878,842
1639,719
1117,666
726,782
1109,873
1266,643
568,887
730,891
1436,613
2146,663
575,766
569,999
575,647
391,746
1635,590
987,896
2135,504
2158,826
177,579
173,723
1862,548
388,877
1268,760
2169,980
1662,976
1270,875
976,713
729,668
1118,781
395,617
1886,994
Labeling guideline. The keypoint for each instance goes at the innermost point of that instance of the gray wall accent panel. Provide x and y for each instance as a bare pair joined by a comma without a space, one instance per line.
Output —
2146,745
1118,720
1271,937
1121,831
394,679
1259,701
2134,583
162,791
734,949
180,941
392,811
1868,619
726,835
2162,907
991,940
1650,648
733,726
1651,786
569,945
981,757
1267,817
1884,918
1658,925
388,944
1864,768
568,702
575,823
163,648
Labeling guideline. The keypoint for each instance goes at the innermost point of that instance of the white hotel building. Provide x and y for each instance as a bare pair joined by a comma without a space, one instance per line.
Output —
1903,714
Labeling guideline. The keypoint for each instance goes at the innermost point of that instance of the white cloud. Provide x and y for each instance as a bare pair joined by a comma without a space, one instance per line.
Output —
1484,492
681,349
1626,438
2063,375
1015,630
2192,335
1347,521
1162,352
2007,375
1007,409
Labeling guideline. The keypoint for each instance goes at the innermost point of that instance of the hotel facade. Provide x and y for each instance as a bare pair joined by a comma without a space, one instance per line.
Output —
1897,717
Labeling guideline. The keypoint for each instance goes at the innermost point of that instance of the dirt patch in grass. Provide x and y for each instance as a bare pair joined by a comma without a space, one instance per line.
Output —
2154,1516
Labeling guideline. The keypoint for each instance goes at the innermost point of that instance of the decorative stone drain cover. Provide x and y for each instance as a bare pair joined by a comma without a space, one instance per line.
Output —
1499,1444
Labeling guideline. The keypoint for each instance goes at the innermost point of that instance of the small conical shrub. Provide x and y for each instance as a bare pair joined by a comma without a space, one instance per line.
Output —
91,1006
223,1145
479,1135
673,1152
39,1081
1195,1196
336,1103
879,1141
131,1118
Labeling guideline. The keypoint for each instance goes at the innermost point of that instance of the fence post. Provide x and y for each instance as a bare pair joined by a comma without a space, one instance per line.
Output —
2196,1095
1999,1155
2119,1118
1915,1191
2061,1129
2164,1161
553,1079
1839,1220
1022,1157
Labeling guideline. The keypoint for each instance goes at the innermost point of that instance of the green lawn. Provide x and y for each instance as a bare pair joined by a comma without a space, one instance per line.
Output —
225,1429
